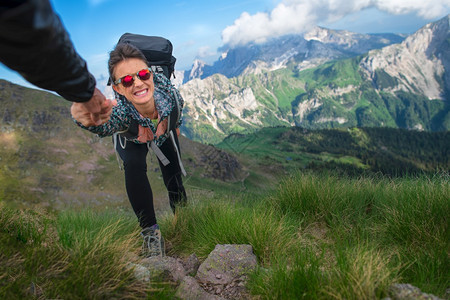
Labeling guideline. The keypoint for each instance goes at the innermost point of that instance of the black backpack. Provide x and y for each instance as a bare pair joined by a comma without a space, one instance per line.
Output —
158,52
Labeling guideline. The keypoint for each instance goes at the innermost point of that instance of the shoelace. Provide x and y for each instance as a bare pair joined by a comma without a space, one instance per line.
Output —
152,244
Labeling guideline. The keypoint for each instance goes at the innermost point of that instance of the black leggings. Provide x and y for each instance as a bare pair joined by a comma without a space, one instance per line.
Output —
136,180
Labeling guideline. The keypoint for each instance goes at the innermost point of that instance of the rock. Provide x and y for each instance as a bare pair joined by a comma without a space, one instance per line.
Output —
222,275
189,289
226,263
164,268
140,272
191,264
408,292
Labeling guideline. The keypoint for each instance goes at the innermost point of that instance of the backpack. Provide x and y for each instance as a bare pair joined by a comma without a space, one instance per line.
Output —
158,52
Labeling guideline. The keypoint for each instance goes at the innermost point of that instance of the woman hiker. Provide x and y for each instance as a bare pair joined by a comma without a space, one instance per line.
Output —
133,79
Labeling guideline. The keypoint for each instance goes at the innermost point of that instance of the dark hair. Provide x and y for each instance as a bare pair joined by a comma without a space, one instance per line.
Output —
121,52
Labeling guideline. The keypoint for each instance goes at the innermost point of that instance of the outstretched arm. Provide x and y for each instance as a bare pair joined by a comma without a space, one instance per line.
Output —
34,42
113,120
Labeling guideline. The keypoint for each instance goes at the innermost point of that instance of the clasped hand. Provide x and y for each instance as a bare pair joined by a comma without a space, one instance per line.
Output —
95,112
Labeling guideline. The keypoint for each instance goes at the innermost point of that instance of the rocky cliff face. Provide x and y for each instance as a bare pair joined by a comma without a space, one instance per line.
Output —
218,99
419,65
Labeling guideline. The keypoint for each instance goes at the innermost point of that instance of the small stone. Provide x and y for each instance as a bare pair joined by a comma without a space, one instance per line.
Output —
140,272
230,261
164,268
408,291
192,264
189,289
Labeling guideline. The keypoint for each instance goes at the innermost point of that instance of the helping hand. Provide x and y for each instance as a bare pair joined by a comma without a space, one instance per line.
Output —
95,112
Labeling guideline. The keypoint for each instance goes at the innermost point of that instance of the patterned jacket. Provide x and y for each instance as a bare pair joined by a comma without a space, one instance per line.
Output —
124,113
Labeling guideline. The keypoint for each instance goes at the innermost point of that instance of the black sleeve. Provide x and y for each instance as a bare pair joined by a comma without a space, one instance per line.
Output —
34,42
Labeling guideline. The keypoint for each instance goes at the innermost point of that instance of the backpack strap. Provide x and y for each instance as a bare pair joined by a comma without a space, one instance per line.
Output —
116,139
158,153
172,137
173,118
151,145
160,70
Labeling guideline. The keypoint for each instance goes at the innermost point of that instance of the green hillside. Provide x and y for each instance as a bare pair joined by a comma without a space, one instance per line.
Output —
364,105
353,151
47,160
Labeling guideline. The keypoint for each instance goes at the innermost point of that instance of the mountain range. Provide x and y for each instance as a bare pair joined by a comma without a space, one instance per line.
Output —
311,49
322,79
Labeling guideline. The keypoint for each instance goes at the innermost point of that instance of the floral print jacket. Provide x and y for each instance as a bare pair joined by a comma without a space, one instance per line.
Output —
124,113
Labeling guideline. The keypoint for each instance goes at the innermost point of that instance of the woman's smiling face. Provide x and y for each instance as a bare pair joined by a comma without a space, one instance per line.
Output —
141,91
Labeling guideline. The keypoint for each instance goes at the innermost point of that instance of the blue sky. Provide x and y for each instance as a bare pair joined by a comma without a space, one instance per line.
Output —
198,28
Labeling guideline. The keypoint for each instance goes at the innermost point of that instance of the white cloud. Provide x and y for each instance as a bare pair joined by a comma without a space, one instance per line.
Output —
205,51
427,9
298,16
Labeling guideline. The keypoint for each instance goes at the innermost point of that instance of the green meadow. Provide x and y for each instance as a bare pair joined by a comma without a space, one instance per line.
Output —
316,236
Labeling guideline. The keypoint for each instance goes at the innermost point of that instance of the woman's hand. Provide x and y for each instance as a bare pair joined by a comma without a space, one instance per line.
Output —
83,115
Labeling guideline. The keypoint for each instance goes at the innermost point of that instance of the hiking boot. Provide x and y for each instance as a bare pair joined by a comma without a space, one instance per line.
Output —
153,244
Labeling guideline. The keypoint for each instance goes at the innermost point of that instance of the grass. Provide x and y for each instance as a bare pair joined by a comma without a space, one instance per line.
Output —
324,236
399,225
318,236
74,255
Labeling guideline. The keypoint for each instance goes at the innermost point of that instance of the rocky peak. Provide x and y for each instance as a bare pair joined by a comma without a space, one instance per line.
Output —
416,63
328,36
308,50
197,69
429,38
357,43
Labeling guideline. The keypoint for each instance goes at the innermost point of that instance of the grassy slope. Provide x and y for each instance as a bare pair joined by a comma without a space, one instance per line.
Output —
47,160
354,151
316,237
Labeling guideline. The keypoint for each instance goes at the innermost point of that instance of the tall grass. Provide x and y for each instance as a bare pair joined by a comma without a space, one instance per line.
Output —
74,255
405,219
199,228
326,236
316,237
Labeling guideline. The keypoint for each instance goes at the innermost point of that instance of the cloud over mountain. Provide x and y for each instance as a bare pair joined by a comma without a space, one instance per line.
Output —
299,16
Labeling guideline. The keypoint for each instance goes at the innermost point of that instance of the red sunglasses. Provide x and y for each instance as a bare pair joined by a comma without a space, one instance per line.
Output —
128,80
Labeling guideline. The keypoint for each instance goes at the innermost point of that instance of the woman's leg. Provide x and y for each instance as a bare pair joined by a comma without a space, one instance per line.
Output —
172,174
136,181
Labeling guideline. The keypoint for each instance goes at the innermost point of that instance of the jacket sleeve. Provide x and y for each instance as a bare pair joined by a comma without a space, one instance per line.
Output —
119,121
34,42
